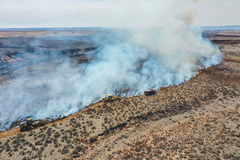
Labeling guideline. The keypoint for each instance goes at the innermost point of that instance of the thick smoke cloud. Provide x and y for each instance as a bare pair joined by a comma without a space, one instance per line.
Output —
133,60
149,59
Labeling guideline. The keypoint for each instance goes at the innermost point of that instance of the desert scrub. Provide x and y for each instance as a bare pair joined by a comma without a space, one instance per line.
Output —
77,150
48,140
49,132
84,127
31,133
65,150
78,125
73,121
15,149
26,143
38,143
90,123
45,127
56,135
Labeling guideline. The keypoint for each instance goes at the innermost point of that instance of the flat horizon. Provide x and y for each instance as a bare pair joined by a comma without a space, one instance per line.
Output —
59,28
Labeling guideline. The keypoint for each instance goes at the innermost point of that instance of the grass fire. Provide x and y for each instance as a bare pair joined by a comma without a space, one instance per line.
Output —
150,84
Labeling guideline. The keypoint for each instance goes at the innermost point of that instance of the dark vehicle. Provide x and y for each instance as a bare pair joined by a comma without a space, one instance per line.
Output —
31,124
150,92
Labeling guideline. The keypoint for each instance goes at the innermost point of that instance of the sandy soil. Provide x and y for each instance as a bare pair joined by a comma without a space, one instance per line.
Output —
199,119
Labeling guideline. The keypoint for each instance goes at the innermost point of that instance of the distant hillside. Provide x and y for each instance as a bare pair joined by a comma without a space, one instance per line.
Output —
219,28
233,27
47,29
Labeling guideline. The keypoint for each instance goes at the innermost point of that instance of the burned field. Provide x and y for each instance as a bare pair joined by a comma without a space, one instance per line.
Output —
198,119
19,53
25,61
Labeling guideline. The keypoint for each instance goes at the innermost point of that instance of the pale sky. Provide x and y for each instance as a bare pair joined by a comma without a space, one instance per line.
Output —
116,13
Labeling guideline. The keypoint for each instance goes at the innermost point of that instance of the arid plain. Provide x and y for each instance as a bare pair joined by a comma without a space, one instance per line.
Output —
199,119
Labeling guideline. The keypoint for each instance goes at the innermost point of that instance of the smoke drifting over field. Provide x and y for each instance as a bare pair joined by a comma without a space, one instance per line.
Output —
128,60
133,60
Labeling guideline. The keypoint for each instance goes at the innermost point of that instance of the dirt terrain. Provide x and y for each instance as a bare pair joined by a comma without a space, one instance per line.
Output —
199,119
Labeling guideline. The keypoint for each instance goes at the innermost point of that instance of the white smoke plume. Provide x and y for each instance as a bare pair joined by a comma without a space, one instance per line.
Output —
135,59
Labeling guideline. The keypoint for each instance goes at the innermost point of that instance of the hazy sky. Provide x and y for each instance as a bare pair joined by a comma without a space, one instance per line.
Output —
116,13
